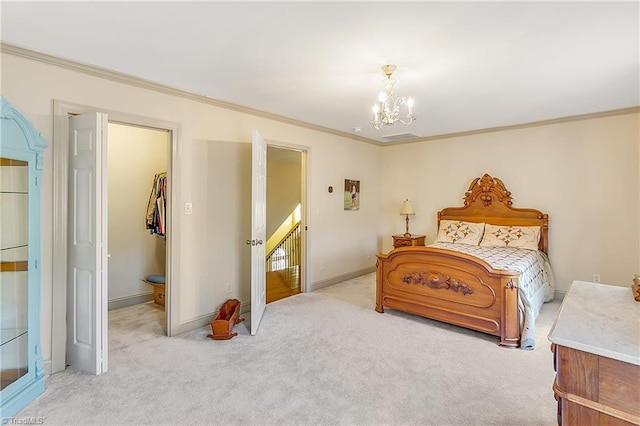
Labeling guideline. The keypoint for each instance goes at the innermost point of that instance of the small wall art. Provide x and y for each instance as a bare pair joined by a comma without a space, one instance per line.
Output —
351,194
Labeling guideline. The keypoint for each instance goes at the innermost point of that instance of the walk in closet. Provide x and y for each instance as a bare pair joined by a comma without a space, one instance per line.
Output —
136,157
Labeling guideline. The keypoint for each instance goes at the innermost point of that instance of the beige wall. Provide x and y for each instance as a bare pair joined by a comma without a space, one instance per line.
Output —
584,174
225,208
135,155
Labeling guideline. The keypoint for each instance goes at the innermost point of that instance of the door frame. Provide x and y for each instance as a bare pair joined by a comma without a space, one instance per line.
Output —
61,111
305,154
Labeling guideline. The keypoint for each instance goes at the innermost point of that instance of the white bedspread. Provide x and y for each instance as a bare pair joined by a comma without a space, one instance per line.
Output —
535,285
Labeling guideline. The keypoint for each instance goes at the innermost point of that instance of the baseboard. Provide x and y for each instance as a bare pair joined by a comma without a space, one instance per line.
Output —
195,323
559,295
205,320
340,278
123,302
245,307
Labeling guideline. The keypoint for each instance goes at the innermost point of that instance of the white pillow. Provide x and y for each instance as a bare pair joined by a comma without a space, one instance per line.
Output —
526,237
460,232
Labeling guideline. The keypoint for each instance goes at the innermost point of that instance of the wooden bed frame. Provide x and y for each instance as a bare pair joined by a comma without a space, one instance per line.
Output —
457,288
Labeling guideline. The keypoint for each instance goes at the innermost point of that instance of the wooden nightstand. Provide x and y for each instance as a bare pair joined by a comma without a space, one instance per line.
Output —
412,240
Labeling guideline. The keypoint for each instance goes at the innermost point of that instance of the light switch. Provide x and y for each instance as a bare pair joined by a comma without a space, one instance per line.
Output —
188,208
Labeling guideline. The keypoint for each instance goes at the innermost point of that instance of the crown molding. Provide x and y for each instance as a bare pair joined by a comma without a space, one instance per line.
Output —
150,85
589,116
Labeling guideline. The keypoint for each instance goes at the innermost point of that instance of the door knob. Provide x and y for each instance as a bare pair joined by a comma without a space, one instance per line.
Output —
248,242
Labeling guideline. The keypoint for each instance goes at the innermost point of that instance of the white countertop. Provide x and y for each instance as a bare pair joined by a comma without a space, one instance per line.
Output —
600,319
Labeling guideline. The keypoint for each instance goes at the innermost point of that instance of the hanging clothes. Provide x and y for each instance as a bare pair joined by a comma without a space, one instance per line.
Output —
157,206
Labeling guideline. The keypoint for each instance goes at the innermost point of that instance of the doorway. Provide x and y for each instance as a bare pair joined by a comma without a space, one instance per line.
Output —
136,167
284,246
62,112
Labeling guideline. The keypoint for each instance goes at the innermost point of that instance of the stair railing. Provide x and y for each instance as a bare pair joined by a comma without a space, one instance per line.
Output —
286,254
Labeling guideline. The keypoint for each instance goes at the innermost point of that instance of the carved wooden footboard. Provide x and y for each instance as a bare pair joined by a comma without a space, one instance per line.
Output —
457,289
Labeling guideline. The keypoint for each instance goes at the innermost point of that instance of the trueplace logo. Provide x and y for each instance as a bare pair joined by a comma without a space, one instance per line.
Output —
33,420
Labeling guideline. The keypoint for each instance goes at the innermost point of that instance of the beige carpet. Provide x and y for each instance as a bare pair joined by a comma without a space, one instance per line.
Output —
320,358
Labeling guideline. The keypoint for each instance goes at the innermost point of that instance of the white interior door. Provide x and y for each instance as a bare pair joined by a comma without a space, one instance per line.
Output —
258,229
87,244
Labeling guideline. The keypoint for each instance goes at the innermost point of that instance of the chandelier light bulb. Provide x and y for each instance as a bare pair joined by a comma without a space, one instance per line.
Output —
388,109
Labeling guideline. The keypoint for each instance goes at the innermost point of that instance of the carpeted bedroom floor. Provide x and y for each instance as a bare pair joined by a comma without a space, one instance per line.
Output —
320,358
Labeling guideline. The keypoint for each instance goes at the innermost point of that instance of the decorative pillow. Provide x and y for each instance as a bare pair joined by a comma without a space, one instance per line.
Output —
459,232
526,237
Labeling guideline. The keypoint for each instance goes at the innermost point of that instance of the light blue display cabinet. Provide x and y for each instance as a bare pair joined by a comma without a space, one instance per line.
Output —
21,161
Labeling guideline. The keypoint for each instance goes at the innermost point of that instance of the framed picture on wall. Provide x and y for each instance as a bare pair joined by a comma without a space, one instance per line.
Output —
351,194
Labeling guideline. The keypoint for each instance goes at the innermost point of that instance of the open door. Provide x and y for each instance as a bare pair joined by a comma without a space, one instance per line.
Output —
258,229
87,245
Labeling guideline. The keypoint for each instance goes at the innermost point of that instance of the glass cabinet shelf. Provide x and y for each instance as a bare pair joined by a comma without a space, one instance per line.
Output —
9,334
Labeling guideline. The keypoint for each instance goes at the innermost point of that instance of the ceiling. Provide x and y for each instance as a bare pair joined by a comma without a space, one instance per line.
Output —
468,65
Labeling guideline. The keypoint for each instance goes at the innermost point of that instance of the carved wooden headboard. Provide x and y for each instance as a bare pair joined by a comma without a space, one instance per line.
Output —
487,200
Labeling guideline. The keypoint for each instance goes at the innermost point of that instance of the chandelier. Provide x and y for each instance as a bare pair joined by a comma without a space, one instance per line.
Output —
387,110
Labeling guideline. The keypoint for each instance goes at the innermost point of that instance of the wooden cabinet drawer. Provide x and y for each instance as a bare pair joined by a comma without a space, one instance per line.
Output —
593,389
413,240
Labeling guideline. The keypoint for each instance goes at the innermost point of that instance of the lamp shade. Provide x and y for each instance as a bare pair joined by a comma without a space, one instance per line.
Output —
407,208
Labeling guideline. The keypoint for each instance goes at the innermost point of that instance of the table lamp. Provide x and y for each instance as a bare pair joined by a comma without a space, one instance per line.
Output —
406,210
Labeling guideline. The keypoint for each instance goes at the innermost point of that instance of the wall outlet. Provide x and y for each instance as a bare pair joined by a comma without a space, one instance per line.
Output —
188,208
368,255
322,265
596,278
229,288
